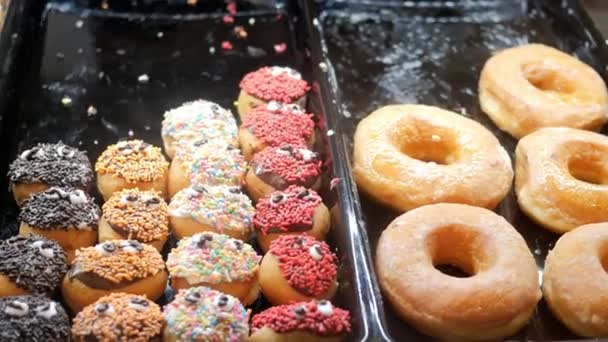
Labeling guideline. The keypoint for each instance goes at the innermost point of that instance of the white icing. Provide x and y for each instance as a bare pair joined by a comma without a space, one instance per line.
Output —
275,202
101,250
284,152
325,308
307,155
314,252
179,212
229,303
78,197
274,105
17,309
39,153
146,198
296,109
138,306
25,154
47,252
276,71
49,312
108,311
126,151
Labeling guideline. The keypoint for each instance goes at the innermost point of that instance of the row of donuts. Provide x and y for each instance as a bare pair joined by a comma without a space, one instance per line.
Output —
443,168
107,264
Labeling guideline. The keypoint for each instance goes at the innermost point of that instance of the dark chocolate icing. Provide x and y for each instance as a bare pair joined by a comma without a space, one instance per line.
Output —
96,281
33,318
60,208
277,181
33,262
53,164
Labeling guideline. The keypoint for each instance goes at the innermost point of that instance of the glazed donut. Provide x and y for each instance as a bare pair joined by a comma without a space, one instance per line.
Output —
313,321
132,214
407,156
30,265
192,316
276,168
574,280
131,164
195,121
298,268
216,261
119,317
293,211
205,163
281,84
528,87
33,318
495,301
68,216
562,177
114,266
275,124
222,209
46,165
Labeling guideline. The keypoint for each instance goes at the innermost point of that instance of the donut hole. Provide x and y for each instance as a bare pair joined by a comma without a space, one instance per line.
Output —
547,78
458,251
426,142
589,167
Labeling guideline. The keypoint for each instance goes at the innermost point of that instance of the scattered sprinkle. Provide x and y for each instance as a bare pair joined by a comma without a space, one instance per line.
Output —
66,101
231,7
212,50
144,78
130,133
333,183
280,48
91,111
226,45
80,50
240,32
330,132
60,55
251,21
228,19
323,66
160,34
121,52
79,24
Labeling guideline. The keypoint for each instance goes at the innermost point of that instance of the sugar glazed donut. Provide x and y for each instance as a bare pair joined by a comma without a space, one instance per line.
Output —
295,210
316,321
33,318
406,156
562,177
574,280
281,84
528,87
495,301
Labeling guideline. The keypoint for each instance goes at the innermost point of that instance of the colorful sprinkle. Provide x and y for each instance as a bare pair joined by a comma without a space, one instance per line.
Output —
285,211
138,215
119,317
212,259
280,48
223,207
276,124
211,163
228,19
203,314
275,83
318,317
291,164
227,45
308,264
134,161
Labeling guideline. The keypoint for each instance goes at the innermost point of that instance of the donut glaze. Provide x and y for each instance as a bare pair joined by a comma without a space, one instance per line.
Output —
575,282
494,302
406,156
528,87
562,177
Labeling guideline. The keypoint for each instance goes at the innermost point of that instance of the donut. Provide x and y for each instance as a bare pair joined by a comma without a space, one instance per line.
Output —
217,261
131,164
298,268
407,156
66,215
114,266
292,211
317,321
30,265
276,168
531,86
275,124
33,318
46,165
561,177
197,120
574,280
192,316
281,84
119,317
222,209
496,299
211,163
133,214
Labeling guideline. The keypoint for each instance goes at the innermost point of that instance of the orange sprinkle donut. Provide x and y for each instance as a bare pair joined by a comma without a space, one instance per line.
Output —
406,156
528,87
495,301
562,177
574,281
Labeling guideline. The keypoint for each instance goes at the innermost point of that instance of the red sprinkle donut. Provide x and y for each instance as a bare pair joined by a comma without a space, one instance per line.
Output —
291,164
289,210
277,124
275,83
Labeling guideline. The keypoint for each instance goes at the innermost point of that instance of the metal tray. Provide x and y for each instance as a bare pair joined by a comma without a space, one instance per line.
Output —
94,57
431,52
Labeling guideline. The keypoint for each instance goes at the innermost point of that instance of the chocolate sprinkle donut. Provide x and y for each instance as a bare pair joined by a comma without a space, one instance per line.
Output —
33,262
33,319
53,164
58,208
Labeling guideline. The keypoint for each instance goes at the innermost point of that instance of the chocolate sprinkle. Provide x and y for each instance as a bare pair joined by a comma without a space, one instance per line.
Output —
60,208
23,262
53,164
45,320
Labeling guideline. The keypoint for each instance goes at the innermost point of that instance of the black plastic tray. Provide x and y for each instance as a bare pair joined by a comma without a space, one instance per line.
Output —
94,57
386,52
